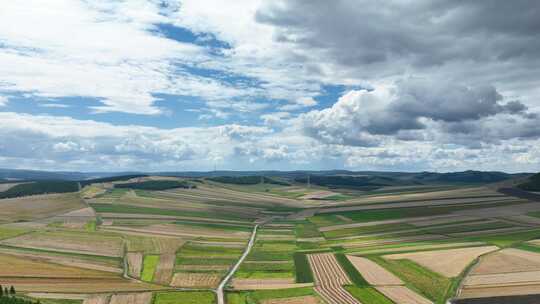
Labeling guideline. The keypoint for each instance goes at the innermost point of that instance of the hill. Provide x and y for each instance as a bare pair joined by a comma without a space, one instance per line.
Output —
532,184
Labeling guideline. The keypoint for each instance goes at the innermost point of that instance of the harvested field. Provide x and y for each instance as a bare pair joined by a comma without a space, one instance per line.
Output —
134,262
12,266
295,300
71,285
503,279
164,269
261,284
448,262
373,273
507,260
329,278
428,203
97,299
402,295
195,280
39,206
132,298
503,273
84,212
478,192
75,242
181,231
415,247
441,220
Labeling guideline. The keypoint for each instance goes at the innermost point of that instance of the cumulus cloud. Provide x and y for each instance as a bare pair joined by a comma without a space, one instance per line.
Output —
420,110
3,101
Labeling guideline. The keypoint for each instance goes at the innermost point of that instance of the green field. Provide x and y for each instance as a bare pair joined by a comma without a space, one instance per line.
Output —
185,297
302,268
368,295
149,267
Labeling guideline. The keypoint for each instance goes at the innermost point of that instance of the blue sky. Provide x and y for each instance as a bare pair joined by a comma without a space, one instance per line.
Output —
186,85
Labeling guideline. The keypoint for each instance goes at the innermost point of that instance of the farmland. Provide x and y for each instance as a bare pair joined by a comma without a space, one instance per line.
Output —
147,239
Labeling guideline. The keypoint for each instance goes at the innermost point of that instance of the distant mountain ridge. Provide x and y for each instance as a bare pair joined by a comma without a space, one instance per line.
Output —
399,178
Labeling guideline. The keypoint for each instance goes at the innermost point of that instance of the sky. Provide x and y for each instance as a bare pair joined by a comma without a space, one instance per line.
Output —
176,85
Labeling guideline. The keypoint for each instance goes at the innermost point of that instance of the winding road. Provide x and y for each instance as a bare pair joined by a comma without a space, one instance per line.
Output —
219,290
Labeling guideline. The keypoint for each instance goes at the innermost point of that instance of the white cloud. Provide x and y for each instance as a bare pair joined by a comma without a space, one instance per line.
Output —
3,101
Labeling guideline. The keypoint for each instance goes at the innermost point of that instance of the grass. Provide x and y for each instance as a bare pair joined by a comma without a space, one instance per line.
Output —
428,283
302,268
149,267
506,239
351,271
333,234
306,230
322,220
185,297
469,228
368,295
91,226
405,212
528,247
7,233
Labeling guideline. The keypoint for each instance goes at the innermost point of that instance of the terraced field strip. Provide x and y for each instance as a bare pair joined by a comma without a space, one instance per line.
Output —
329,278
448,262
132,298
134,262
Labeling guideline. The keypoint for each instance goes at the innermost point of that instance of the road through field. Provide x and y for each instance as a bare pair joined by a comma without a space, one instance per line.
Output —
219,290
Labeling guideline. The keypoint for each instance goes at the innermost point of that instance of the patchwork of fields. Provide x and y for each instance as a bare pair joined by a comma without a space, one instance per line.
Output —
133,244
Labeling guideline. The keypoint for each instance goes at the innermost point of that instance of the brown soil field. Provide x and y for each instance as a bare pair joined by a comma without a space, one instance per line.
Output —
415,248
296,300
261,284
359,244
507,260
195,280
449,194
202,267
71,285
503,279
164,269
443,220
97,299
84,212
64,260
402,295
318,195
39,206
76,242
373,273
69,296
490,231
177,203
132,298
488,292
501,211
448,262
181,231
503,273
446,202
112,216
12,266
329,278
134,262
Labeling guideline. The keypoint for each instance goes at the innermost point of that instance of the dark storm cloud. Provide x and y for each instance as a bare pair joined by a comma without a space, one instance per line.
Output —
418,33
